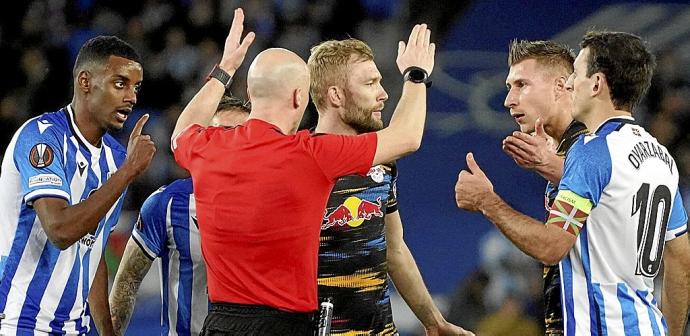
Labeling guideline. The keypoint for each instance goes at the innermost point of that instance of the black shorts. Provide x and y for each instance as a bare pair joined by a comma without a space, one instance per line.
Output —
250,320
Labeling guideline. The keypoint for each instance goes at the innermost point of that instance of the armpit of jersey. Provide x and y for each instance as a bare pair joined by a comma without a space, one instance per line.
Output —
569,211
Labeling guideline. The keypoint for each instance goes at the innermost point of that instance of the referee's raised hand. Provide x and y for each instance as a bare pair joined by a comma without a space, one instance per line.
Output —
418,51
140,148
234,51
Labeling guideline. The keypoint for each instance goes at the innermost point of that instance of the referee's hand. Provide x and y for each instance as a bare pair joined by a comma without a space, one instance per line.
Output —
472,187
234,51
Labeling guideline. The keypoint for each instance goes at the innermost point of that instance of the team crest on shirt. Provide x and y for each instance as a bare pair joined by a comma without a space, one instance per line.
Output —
376,173
41,155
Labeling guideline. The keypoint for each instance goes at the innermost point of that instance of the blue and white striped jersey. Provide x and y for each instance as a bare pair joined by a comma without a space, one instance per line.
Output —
167,229
42,288
631,182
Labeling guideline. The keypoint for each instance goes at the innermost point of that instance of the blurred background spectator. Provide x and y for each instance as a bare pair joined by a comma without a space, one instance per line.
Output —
484,282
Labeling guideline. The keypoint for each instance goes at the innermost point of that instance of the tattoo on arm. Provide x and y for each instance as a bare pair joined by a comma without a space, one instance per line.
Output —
133,268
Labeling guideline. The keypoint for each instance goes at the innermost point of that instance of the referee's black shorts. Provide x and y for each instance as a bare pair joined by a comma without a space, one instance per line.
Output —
250,320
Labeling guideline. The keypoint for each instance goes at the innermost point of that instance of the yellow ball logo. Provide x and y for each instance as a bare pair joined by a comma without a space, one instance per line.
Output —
352,203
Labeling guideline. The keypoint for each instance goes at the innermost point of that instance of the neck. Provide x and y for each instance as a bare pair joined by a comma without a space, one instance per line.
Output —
557,127
594,120
274,115
83,118
330,123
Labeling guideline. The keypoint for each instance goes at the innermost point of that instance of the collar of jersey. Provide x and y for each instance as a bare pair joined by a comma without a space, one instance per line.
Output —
612,119
95,151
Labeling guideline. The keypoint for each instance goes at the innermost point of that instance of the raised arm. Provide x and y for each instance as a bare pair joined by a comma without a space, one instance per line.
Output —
404,133
65,224
201,108
133,268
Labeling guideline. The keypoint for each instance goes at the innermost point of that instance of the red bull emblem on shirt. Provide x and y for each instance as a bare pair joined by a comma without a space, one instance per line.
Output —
353,212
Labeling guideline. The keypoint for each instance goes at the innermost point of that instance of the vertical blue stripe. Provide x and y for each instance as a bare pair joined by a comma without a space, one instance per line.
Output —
3,261
38,286
568,300
21,237
85,286
630,321
68,297
599,298
652,316
179,219
663,320
594,309
165,287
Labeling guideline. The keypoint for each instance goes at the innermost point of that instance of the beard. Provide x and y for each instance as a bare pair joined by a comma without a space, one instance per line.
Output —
361,119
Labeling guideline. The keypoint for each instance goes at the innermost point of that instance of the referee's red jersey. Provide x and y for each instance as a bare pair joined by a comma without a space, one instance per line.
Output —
260,198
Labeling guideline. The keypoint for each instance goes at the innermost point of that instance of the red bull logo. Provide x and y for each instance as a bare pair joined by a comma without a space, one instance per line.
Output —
353,212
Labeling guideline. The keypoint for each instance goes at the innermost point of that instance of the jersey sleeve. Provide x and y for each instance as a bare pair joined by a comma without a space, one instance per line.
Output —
39,158
392,205
678,222
340,155
586,173
150,229
183,145
587,170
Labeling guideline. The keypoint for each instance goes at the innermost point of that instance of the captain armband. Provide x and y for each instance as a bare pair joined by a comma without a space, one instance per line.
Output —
569,212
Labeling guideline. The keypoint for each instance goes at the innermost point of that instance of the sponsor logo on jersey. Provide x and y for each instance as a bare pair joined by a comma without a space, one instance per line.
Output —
43,125
353,212
44,179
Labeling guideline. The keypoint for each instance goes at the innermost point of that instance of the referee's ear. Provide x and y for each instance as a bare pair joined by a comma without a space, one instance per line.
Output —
297,98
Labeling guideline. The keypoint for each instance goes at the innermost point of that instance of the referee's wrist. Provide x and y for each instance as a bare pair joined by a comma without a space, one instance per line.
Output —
227,68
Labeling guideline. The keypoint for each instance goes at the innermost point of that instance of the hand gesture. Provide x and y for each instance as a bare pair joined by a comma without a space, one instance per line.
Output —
234,52
140,148
530,151
472,187
418,51
447,329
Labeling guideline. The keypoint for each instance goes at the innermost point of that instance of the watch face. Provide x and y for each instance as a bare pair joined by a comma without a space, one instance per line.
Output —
416,75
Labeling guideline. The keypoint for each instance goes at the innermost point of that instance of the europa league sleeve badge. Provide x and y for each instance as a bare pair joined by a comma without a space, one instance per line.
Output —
41,155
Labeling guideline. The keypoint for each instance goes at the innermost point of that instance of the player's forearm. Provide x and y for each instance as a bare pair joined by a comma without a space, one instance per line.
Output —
130,274
201,108
98,301
528,234
409,282
675,301
404,133
552,170
65,224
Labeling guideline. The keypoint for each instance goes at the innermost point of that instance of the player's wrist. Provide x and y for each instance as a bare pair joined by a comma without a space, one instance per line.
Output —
488,202
128,172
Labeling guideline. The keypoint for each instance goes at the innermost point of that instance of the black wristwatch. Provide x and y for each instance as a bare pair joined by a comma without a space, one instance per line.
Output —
222,76
417,75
